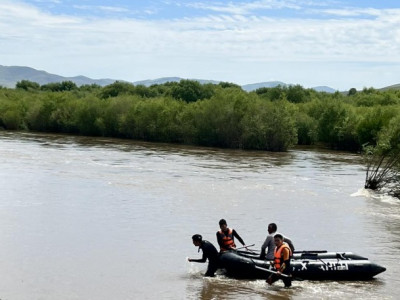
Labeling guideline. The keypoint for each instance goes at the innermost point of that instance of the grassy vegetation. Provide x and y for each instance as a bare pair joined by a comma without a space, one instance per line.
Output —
221,115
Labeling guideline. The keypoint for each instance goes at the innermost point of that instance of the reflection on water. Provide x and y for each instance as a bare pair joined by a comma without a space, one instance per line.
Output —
97,218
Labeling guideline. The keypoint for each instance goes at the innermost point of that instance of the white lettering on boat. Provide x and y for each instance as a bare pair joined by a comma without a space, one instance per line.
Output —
332,266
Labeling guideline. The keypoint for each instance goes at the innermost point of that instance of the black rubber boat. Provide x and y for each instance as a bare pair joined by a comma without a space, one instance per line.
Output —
316,266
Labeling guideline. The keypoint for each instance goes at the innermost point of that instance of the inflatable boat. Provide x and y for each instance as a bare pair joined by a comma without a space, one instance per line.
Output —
310,265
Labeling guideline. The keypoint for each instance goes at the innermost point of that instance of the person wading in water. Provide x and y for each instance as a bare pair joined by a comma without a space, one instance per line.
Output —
282,254
209,252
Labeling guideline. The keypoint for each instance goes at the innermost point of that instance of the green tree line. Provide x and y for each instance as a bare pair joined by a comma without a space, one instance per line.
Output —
217,115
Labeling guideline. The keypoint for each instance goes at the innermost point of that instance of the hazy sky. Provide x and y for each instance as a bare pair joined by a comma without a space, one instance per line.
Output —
341,44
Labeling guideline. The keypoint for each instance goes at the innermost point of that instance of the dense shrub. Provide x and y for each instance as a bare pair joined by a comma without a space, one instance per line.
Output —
218,115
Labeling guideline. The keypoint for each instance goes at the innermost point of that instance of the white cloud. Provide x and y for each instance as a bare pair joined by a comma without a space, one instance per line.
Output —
355,12
250,7
115,9
151,11
244,8
224,47
48,1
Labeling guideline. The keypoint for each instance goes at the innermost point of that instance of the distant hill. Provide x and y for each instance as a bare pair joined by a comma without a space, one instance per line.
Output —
9,76
163,80
325,89
391,87
269,84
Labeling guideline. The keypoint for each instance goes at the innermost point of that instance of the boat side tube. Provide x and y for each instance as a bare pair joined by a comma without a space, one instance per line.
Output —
240,266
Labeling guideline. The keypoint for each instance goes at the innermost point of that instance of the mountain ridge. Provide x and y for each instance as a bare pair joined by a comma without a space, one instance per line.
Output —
10,75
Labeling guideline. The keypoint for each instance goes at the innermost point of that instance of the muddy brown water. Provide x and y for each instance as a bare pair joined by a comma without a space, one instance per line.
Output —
95,218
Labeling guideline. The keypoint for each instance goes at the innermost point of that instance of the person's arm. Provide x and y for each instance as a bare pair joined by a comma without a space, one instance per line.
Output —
201,260
286,258
264,247
235,234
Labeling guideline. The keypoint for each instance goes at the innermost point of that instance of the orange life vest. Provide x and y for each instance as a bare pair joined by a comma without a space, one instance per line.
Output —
227,239
278,255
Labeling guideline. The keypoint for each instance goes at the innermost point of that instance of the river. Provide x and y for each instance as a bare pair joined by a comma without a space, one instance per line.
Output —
97,218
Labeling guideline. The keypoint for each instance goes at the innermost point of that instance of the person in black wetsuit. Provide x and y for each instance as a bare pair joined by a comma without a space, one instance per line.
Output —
226,237
209,252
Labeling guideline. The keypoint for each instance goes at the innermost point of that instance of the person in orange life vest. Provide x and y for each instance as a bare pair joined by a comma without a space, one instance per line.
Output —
282,254
209,252
226,237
